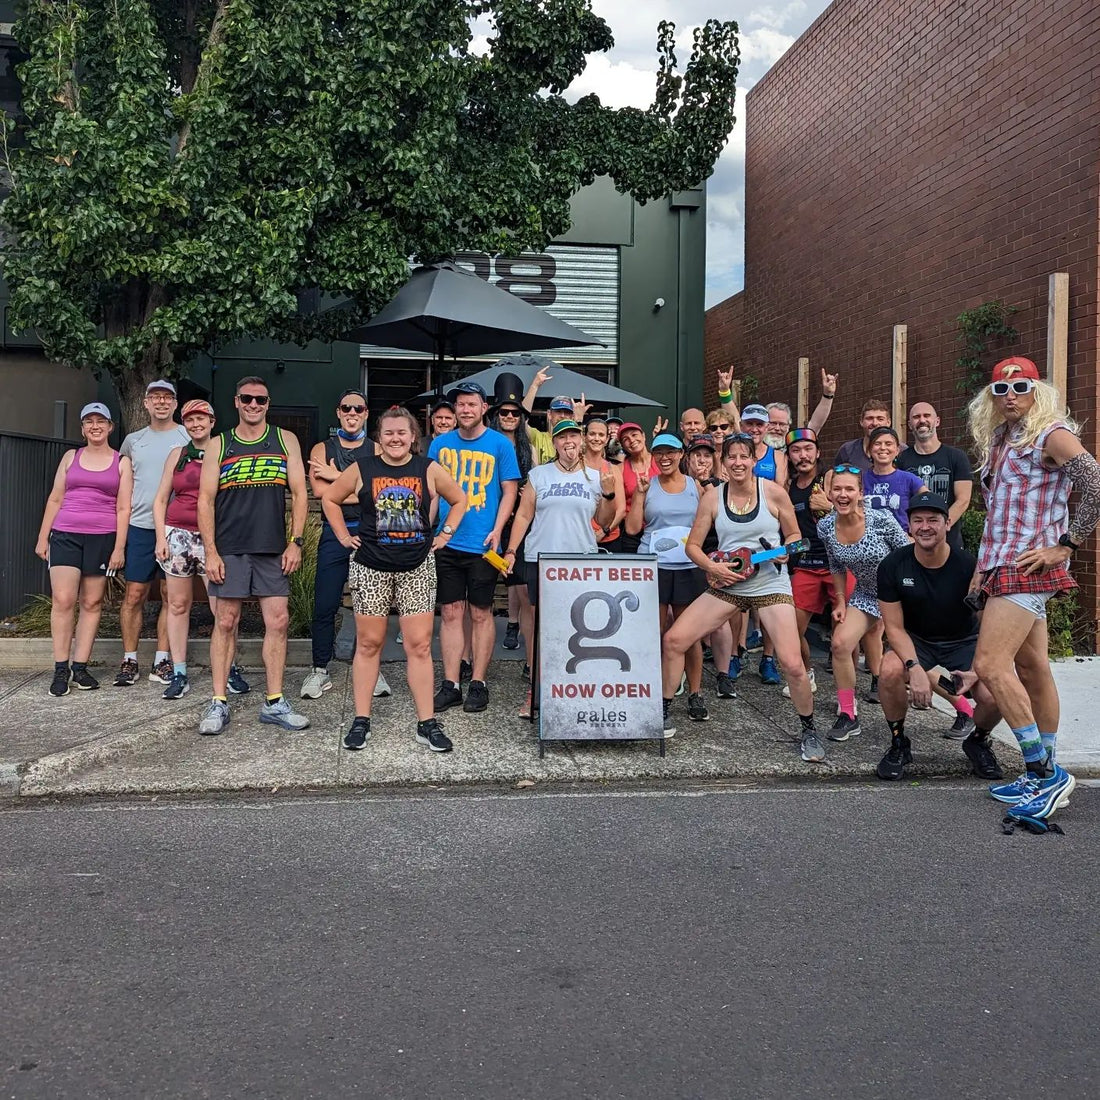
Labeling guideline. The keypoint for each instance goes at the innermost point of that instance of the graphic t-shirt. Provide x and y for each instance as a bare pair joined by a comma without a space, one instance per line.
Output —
564,507
148,451
891,491
815,557
395,514
480,466
931,599
939,471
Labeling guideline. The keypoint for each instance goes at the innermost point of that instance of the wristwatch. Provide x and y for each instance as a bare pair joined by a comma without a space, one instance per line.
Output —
1065,540
912,663
298,541
446,529
609,496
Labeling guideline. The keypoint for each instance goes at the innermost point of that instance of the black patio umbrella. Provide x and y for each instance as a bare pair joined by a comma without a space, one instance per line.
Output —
600,395
449,313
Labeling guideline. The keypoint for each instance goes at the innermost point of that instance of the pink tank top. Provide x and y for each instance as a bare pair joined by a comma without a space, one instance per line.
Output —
183,508
90,498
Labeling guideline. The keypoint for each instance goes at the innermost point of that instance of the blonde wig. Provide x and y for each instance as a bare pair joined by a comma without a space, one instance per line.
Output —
984,420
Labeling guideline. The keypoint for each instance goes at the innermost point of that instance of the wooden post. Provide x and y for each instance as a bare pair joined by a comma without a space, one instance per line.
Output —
803,393
1058,330
900,399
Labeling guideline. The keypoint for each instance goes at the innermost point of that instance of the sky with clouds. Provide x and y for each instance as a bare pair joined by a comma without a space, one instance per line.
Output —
625,77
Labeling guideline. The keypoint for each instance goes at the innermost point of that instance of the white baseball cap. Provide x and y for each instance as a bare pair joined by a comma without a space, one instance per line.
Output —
96,408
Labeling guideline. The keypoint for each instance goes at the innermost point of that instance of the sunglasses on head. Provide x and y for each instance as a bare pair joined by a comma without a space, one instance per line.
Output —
739,437
353,408
253,398
1018,385
844,469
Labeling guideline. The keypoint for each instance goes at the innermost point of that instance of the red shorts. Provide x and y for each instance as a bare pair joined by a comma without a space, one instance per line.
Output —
813,589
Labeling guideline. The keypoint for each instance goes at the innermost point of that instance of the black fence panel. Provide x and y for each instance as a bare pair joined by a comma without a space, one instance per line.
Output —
27,467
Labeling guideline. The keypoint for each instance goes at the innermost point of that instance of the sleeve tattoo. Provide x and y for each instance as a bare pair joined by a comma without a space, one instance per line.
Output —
1084,472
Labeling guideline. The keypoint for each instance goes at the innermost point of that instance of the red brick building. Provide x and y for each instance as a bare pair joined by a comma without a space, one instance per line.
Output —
909,161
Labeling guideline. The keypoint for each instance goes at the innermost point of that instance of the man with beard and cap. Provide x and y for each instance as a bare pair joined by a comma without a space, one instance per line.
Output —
561,408
945,470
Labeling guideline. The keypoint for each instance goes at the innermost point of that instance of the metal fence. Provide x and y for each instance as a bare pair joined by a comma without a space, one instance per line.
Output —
27,467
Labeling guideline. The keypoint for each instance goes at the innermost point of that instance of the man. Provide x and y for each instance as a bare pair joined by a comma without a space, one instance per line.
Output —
1030,461
484,464
561,408
857,452
945,470
692,422
242,519
147,450
921,593
443,416
327,461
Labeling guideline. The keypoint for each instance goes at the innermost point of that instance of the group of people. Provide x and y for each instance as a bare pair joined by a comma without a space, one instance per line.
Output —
873,540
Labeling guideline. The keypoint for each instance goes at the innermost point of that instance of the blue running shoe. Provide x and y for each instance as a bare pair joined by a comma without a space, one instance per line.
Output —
1020,789
237,685
1051,794
735,668
769,671
754,641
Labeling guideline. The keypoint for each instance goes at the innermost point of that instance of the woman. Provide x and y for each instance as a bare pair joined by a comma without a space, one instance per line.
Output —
884,485
636,461
720,423
393,565
83,539
596,438
747,511
856,539
556,518
664,507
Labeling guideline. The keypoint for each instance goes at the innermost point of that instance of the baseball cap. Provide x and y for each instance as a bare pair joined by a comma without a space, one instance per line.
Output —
197,406
630,426
666,439
96,408
471,387
561,404
801,435
1015,366
444,403
565,426
755,412
161,384
703,439
353,392
614,420
928,502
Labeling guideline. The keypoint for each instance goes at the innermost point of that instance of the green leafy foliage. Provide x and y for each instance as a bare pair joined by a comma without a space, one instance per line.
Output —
183,167
979,328
303,579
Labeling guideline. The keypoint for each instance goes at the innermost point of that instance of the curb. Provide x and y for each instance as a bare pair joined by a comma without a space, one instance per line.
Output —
37,653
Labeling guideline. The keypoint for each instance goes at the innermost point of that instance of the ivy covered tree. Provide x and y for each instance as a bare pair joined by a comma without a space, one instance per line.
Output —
182,169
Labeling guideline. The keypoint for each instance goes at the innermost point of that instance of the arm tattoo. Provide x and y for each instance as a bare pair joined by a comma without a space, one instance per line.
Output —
1084,472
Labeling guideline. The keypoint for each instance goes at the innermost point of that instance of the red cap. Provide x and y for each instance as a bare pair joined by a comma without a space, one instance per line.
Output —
197,406
630,426
1016,366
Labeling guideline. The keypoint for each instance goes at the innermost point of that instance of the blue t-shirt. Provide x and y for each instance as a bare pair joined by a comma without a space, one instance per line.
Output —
480,466
891,491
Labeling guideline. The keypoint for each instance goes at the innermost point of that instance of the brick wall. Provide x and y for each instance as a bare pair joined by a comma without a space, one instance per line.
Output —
906,162
723,342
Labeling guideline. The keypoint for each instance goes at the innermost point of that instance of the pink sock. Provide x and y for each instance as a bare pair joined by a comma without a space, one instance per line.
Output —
847,701
964,706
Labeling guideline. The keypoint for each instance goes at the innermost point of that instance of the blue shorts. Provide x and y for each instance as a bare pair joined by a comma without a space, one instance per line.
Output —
141,560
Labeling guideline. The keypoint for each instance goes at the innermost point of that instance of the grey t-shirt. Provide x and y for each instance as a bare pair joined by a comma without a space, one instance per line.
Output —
148,451
564,507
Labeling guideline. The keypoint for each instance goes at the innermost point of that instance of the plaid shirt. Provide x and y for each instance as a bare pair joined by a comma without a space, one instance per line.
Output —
1027,504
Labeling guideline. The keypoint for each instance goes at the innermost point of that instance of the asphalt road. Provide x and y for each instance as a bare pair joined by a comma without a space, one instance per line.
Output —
805,942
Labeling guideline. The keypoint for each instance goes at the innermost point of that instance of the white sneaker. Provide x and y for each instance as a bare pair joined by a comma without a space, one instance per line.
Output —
316,684
382,687
813,685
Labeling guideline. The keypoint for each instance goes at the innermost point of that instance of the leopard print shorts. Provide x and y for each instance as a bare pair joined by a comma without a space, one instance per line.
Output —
374,592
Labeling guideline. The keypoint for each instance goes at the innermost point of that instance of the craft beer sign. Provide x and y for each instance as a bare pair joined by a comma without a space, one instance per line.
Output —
599,647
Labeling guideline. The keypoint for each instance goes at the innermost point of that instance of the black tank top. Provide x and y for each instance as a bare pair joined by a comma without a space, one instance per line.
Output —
343,457
250,506
815,557
395,514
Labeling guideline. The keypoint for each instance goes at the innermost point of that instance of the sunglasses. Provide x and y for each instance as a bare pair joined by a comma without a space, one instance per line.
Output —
353,408
739,437
253,399
721,427
509,412
843,469
1020,386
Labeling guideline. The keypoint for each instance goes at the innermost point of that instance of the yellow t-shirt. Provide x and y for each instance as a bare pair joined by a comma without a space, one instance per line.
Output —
543,444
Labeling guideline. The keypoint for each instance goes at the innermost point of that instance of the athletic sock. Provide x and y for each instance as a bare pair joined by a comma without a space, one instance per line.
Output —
179,668
1049,740
980,734
61,666
130,655
846,697
80,666
1031,745
964,706
275,698
807,721
218,699
161,655
897,729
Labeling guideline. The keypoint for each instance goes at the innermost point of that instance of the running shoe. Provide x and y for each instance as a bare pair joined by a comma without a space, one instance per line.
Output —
669,723
430,733
162,672
1050,794
735,667
769,671
465,672
683,684
215,718
511,636
382,686
477,697
829,662
178,687
708,654
697,707
127,673
358,735
871,694
962,727
448,695
84,680
237,684
898,756
59,685
813,685
1019,790
980,754
316,683
813,751
843,728
725,687
525,710
280,713
754,641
